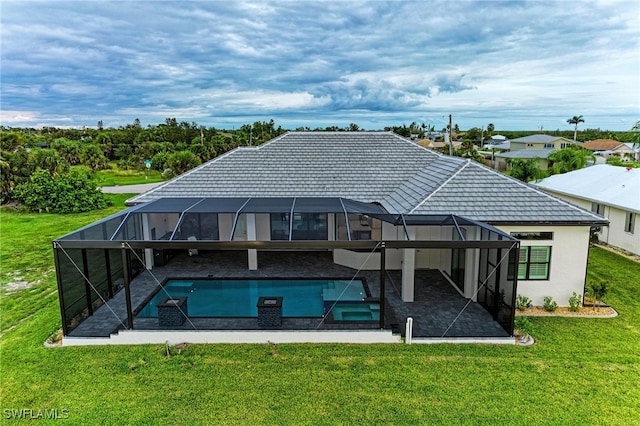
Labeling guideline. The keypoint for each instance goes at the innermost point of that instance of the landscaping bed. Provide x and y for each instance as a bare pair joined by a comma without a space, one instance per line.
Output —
601,311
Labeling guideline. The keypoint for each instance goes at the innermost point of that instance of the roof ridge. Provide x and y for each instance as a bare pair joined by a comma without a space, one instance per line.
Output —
464,165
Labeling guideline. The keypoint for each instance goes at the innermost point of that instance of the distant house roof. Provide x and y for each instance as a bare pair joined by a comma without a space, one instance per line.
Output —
504,145
439,144
370,167
525,153
603,184
602,145
540,138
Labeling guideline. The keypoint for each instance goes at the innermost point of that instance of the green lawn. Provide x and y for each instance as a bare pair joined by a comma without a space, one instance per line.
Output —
580,371
117,177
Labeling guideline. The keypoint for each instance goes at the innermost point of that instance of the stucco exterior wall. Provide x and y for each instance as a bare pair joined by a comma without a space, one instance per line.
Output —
615,233
161,223
263,227
569,253
225,223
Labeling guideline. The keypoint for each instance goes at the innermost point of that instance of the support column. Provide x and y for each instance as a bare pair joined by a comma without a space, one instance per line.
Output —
383,273
127,286
251,236
87,284
409,270
146,234
63,314
472,267
331,226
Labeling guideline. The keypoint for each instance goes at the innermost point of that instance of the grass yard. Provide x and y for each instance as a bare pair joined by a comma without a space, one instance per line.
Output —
117,177
580,371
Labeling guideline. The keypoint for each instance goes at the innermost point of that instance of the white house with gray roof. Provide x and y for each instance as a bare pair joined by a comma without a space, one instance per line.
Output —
610,191
443,240
405,178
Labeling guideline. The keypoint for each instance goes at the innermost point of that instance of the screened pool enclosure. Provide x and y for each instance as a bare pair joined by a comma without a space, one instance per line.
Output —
102,268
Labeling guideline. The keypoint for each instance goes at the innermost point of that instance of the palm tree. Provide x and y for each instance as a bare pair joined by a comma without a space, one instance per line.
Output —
569,159
490,129
575,120
636,129
525,170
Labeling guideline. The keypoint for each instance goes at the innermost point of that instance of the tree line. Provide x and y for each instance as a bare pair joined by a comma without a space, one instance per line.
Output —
30,156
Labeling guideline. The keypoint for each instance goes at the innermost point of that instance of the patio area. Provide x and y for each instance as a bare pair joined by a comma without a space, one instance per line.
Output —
436,306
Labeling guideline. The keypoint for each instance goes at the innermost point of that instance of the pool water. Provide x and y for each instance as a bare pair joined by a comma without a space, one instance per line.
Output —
238,298
356,311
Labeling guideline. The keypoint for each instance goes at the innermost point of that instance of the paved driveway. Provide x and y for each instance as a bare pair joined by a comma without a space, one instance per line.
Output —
130,189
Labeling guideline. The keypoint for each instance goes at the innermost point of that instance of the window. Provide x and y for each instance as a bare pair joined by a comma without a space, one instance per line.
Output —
529,145
534,263
548,145
309,226
523,236
597,208
564,145
279,226
203,226
629,222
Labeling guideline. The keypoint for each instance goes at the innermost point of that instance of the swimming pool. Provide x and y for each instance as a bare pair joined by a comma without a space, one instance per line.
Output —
239,298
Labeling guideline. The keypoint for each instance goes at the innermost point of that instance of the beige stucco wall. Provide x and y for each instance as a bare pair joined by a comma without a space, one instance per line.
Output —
569,252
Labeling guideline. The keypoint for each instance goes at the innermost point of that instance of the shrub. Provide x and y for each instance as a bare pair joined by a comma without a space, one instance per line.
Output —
522,302
523,325
598,290
575,302
549,304
72,192
182,161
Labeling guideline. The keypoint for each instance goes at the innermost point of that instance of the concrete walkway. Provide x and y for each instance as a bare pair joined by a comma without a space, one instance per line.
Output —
130,189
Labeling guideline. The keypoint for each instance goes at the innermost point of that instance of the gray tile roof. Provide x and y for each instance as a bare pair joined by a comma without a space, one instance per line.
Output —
480,193
526,153
540,138
370,167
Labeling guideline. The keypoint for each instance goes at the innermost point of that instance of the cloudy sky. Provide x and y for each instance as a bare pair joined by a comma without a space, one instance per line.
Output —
519,65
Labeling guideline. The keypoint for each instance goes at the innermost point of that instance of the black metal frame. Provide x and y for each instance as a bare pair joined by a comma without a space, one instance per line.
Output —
380,246
119,226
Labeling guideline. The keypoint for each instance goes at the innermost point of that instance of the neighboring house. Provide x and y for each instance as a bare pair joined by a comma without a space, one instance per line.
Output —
529,147
427,143
610,191
608,147
635,148
540,155
494,141
360,197
540,142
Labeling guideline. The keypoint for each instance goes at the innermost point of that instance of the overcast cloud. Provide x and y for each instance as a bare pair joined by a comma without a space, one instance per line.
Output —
519,65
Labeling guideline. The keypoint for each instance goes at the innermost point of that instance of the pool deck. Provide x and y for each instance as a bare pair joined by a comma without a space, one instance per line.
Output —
436,305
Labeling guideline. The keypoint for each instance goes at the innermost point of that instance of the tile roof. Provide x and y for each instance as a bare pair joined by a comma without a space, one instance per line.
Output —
601,144
525,153
540,138
377,167
604,184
